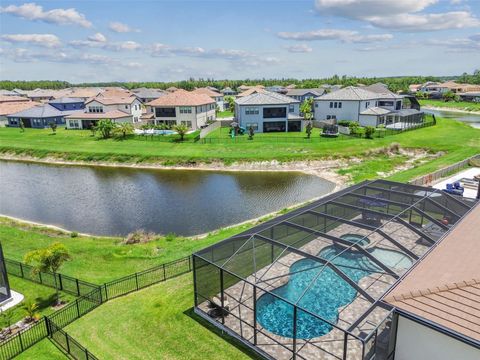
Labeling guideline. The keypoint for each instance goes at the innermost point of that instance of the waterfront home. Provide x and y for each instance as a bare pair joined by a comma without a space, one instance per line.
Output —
146,94
68,103
38,117
366,107
438,302
182,107
11,107
215,95
470,96
304,94
268,112
118,109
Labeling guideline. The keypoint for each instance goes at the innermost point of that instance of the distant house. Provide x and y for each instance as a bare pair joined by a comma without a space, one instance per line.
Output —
182,107
37,117
268,112
366,107
118,109
84,93
303,94
470,96
228,92
413,88
45,94
215,95
172,89
146,94
251,90
277,88
67,103
11,107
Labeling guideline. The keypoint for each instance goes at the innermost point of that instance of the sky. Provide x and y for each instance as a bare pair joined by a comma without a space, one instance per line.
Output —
160,40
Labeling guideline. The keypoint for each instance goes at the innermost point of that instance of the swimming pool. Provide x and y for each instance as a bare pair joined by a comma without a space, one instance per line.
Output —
325,296
356,238
393,259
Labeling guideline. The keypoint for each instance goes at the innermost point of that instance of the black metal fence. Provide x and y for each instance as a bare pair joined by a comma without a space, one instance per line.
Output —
51,325
62,282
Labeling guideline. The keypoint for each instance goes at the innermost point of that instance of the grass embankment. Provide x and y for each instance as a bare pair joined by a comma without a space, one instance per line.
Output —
224,114
224,133
154,323
43,296
453,105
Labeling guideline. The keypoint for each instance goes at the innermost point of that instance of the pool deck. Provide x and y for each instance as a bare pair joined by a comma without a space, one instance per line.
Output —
469,174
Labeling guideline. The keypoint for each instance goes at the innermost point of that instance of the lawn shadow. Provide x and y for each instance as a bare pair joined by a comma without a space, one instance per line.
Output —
230,339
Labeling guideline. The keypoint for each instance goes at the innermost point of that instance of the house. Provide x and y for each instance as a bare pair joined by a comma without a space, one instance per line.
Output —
118,109
68,103
268,112
277,88
470,96
11,107
304,94
84,93
172,89
413,88
215,95
437,304
366,107
146,94
228,92
182,107
378,88
242,88
38,117
251,90
45,94
115,92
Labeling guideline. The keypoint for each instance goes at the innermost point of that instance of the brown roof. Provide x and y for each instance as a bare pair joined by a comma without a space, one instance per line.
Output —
7,98
116,92
445,286
116,100
182,98
84,92
207,91
7,108
114,114
251,91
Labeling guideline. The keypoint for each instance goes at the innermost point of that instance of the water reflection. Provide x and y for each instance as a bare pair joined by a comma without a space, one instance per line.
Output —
108,201
470,119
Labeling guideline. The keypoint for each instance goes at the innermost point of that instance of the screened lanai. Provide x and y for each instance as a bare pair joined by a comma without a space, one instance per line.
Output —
309,284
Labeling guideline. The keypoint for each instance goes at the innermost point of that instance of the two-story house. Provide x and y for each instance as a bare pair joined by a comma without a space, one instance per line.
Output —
366,107
215,95
304,94
183,107
117,109
268,112
68,103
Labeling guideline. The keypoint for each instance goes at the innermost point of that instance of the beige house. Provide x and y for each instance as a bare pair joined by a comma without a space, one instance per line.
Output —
215,95
182,107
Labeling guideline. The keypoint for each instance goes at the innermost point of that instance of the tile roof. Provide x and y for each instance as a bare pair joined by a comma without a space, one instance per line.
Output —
116,92
357,93
115,100
301,92
251,91
147,93
41,111
114,114
8,108
376,111
207,91
379,88
66,100
265,98
84,92
13,98
444,287
182,98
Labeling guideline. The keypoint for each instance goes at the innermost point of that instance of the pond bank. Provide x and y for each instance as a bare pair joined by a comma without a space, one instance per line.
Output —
445,108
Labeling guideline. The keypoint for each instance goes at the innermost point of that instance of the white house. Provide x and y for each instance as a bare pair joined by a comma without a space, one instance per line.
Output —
182,107
215,95
268,112
437,304
118,109
366,107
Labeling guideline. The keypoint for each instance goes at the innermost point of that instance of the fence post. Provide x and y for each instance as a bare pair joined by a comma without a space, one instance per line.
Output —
21,342
78,287
60,283
86,354
78,308
21,270
40,277
189,263
164,275
106,291
136,280
68,343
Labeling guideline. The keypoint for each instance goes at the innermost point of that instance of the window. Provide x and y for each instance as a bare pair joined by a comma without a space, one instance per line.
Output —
251,111
188,123
126,106
135,119
254,126
339,105
331,117
95,109
331,104
291,108
74,124
367,104
385,103
335,104
185,110
316,105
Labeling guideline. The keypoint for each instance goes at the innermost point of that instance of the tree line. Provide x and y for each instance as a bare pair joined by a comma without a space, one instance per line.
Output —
398,83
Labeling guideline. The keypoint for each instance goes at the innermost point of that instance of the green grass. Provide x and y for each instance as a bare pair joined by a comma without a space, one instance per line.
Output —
154,323
370,168
44,350
43,296
103,259
224,133
460,105
224,114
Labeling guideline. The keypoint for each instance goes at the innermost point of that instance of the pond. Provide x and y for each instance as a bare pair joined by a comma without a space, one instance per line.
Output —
117,201
470,119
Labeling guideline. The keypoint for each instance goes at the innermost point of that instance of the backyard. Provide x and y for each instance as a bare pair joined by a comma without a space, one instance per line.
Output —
459,105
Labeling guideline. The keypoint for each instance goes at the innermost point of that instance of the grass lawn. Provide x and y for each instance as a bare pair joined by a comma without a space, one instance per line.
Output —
154,323
224,133
102,259
43,296
461,105
224,114
44,350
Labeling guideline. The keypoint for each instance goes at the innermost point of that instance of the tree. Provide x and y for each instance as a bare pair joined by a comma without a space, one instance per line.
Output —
22,126
7,320
31,311
306,109
308,129
251,133
449,96
124,129
49,259
230,100
106,127
53,126
369,131
181,130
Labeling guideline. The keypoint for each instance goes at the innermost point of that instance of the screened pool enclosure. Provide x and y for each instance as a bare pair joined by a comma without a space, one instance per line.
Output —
309,284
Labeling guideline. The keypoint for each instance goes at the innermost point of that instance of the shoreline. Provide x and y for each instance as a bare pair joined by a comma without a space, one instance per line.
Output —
439,108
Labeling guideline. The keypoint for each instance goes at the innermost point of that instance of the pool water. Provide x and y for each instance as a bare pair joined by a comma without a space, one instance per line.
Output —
356,238
391,258
325,296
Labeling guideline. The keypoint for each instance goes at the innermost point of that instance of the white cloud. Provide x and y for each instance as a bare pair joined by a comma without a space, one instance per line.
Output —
334,34
121,28
123,45
469,44
45,40
300,48
97,37
401,15
32,11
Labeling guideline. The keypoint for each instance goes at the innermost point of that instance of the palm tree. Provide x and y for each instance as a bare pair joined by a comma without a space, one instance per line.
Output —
125,129
181,130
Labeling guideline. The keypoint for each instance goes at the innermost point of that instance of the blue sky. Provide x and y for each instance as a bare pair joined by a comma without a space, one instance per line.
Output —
158,40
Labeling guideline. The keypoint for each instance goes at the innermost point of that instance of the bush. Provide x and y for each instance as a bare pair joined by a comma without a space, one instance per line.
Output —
139,236
74,234
369,131
345,123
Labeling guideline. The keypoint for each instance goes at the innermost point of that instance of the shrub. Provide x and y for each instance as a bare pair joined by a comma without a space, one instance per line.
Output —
74,234
345,123
170,237
369,131
139,236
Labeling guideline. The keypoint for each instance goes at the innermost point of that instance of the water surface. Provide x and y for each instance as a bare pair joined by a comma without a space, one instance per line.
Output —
467,118
116,201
